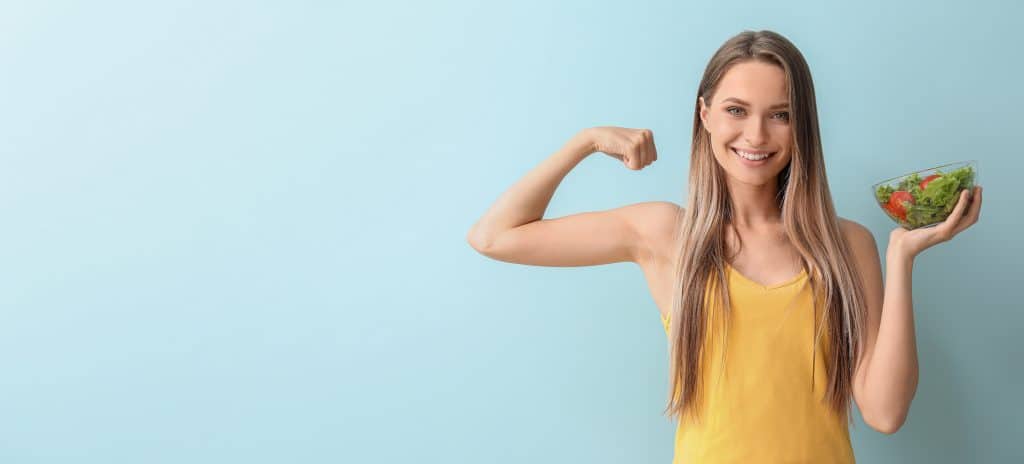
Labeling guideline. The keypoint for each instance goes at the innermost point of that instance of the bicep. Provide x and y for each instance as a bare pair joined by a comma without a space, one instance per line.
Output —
623,234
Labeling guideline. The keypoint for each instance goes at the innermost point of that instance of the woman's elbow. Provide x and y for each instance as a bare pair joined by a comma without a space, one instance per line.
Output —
888,425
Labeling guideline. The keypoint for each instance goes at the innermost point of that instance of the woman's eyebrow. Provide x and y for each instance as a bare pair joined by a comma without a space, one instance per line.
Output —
737,100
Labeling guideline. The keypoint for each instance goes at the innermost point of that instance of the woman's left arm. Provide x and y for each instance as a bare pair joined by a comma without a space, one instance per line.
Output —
886,379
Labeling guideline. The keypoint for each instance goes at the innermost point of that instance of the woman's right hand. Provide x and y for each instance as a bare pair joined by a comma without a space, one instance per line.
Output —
634,147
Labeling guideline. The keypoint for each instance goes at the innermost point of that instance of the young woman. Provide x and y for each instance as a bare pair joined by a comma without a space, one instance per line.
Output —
773,305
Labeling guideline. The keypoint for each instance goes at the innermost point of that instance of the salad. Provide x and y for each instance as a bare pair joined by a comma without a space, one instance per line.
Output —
917,202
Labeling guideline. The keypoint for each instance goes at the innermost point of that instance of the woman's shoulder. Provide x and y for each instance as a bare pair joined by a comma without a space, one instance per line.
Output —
658,223
854,232
862,244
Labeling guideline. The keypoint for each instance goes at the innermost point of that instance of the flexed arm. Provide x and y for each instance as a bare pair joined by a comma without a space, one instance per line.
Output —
513,229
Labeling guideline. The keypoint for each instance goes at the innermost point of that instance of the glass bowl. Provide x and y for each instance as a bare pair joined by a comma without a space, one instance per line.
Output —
926,197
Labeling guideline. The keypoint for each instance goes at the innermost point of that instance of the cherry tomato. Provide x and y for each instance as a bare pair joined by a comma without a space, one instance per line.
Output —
896,203
928,179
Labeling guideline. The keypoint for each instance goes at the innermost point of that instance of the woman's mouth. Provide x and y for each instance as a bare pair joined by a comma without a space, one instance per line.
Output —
752,158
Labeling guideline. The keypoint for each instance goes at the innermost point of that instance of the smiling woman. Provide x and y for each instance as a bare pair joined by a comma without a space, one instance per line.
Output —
759,210
771,302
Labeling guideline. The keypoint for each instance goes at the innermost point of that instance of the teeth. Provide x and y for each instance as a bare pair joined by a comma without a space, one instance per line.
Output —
751,156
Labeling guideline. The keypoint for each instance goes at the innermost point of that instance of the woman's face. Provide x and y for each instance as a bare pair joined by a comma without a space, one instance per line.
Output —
750,113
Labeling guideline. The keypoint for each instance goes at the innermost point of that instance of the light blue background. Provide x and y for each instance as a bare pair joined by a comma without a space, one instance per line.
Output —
235,231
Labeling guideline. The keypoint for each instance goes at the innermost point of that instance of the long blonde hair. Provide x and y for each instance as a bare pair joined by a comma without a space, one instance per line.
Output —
809,219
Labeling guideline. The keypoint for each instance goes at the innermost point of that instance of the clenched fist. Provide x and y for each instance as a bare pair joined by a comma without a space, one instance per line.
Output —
634,147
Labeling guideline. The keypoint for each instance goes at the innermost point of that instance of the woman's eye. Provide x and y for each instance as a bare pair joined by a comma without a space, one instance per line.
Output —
784,115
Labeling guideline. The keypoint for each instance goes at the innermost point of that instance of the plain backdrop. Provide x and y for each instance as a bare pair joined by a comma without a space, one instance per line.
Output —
236,231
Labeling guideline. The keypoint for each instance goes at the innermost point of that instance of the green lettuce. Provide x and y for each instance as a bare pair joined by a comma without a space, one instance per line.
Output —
935,202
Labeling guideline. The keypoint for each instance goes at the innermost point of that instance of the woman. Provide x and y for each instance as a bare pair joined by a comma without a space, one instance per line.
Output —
773,305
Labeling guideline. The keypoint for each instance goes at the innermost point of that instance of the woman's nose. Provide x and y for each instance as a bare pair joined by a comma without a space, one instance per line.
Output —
755,133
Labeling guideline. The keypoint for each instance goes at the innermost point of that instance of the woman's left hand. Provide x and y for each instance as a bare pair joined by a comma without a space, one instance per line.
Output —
910,243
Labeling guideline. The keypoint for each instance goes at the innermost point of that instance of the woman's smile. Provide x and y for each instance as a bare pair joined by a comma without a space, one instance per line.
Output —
752,158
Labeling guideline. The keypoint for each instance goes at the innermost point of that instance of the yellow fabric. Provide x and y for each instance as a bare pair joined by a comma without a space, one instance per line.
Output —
762,408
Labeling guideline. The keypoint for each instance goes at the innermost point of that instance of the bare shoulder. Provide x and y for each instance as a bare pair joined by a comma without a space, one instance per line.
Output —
857,235
864,248
657,223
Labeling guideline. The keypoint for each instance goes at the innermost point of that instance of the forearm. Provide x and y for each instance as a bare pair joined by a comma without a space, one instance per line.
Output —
527,199
893,370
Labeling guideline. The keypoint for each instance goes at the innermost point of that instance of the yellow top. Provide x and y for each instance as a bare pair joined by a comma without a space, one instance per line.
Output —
763,409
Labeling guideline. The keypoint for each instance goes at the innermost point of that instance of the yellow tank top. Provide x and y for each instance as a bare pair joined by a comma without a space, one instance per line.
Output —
759,406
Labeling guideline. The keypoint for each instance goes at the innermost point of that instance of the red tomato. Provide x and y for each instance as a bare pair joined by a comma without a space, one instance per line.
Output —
928,179
888,208
895,205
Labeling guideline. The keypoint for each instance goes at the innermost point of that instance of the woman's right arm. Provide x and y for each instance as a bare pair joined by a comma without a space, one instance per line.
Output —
513,229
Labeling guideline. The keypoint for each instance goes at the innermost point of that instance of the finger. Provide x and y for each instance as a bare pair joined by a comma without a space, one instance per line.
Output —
648,147
642,148
654,148
949,226
973,213
651,154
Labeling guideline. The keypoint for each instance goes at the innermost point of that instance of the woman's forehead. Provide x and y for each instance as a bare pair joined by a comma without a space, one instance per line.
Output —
754,83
